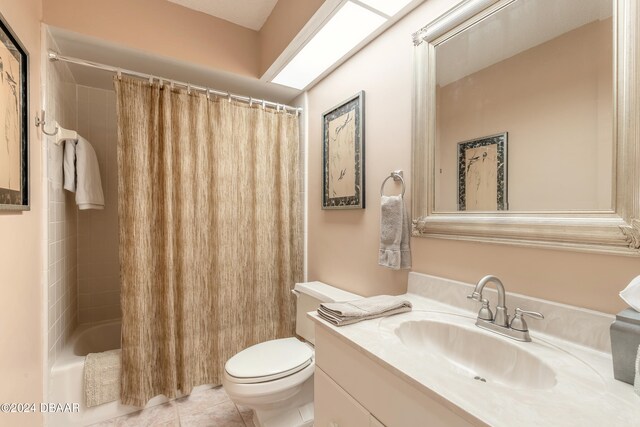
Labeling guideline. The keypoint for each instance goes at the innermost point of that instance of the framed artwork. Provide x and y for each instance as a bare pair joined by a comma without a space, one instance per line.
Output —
343,155
14,151
482,174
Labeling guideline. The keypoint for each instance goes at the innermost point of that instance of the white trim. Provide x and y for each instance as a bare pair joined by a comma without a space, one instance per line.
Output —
305,120
371,9
44,221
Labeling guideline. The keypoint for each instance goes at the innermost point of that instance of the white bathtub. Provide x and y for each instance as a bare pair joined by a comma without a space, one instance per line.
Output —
67,377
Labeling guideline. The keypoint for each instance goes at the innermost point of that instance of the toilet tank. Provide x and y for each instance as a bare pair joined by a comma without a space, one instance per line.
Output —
309,296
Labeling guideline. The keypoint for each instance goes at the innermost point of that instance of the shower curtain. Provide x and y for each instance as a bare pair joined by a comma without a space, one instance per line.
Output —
210,238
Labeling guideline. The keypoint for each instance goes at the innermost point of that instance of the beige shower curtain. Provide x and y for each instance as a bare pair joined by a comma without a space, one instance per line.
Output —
210,238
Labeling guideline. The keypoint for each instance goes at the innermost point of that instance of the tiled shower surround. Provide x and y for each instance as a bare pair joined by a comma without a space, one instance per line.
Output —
62,289
98,266
82,269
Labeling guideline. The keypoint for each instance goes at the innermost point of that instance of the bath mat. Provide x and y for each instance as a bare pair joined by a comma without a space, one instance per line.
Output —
102,377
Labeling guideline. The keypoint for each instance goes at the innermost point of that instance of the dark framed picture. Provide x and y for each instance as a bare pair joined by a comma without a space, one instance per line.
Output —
343,155
482,174
14,112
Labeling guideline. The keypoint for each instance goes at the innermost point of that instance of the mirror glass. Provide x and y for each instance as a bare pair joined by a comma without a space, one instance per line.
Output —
524,110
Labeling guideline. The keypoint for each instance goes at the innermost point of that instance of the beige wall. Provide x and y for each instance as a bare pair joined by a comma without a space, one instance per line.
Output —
286,20
162,28
62,290
343,245
21,250
560,124
98,263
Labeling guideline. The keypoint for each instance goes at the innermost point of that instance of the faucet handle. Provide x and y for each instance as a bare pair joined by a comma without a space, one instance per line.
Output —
476,296
534,314
518,323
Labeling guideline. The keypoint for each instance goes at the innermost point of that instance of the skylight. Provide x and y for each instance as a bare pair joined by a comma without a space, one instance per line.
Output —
344,31
388,7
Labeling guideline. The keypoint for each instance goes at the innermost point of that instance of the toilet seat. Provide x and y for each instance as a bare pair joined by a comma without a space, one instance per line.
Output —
266,378
269,361
266,395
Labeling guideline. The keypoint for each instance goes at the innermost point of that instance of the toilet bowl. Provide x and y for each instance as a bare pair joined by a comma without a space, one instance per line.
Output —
275,378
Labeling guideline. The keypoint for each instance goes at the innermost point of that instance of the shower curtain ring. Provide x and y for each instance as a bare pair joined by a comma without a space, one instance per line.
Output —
250,102
150,80
229,97
189,89
264,104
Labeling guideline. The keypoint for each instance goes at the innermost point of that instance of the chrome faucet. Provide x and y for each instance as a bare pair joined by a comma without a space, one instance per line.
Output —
516,328
502,317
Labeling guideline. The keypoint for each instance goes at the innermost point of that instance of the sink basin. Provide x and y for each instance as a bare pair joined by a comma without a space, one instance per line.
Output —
481,355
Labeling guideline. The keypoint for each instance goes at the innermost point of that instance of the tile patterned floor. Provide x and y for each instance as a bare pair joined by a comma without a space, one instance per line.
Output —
205,408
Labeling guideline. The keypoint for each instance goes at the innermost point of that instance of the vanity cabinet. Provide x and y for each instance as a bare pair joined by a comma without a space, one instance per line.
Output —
352,389
334,407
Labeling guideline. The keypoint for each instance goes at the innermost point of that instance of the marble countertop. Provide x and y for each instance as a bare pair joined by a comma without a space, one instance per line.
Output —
585,392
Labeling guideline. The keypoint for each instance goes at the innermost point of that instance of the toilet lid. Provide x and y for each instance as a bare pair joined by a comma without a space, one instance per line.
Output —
270,360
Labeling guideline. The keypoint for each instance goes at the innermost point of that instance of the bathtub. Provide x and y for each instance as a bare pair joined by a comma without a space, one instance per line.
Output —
67,377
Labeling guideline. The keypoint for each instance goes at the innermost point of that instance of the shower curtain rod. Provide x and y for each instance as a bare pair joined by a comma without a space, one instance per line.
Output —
55,56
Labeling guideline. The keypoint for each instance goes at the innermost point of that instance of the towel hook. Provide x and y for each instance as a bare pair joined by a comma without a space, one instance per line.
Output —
42,123
55,132
397,176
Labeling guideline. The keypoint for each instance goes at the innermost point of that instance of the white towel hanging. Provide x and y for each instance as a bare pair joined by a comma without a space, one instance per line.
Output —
82,173
89,193
69,165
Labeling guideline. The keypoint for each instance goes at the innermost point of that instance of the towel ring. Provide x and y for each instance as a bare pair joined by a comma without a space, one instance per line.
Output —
396,176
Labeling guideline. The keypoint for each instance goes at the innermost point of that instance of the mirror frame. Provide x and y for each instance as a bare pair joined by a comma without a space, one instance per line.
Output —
615,231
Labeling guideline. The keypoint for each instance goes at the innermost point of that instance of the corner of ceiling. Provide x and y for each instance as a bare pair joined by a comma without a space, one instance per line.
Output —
287,20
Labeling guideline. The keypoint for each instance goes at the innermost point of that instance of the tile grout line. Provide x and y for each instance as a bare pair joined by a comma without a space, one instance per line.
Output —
239,414
242,418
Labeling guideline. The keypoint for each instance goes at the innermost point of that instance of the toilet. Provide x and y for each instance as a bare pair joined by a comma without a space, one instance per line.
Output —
275,378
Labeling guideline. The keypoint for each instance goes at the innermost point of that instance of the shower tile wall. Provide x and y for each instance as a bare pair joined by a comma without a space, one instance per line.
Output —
98,265
62,296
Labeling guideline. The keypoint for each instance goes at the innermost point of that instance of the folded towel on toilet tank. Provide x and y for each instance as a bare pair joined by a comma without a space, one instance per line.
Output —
348,312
